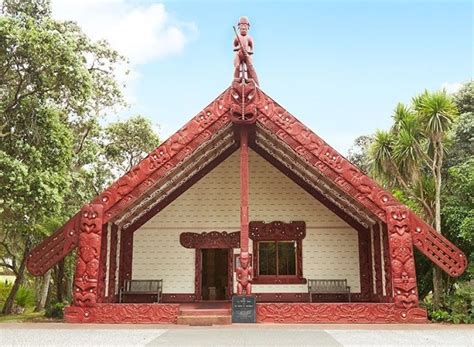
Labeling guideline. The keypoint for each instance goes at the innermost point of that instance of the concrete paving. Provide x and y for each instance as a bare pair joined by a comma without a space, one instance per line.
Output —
58,334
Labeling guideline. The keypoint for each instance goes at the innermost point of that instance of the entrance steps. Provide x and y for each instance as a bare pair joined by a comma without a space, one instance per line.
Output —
205,314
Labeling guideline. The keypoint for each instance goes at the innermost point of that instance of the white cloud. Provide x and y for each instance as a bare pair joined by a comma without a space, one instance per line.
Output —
141,33
451,87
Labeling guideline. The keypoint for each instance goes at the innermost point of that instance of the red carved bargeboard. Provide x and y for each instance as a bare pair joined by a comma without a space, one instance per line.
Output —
123,313
294,313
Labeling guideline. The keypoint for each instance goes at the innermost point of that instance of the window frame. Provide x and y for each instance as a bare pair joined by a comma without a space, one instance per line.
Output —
275,232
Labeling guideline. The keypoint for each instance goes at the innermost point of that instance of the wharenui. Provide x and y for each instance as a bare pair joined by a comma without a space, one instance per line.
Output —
245,201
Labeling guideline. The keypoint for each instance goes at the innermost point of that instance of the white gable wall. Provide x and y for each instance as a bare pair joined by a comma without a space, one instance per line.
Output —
330,249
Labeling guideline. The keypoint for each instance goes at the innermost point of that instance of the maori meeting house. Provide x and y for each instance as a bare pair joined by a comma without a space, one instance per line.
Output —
245,201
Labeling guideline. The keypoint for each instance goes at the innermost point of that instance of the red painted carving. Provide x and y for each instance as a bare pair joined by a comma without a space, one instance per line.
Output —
180,190
213,239
178,297
123,313
243,48
387,268
88,256
113,263
295,313
288,129
198,274
244,275
102,265
351,180
437,248
54,248
365,263
124,192
378,262
401,257
282,297
279,231
126,256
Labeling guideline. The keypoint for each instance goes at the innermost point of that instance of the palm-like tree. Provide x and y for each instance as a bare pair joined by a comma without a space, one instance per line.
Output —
410,156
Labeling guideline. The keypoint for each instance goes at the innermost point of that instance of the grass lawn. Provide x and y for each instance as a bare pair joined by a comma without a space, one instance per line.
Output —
27,316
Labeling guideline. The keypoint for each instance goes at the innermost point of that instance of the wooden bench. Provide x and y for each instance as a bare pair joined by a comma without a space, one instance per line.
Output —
139,287
328,287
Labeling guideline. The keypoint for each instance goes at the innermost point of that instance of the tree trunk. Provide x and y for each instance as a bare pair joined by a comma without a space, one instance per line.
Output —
8,306
437,274
60,288
40,303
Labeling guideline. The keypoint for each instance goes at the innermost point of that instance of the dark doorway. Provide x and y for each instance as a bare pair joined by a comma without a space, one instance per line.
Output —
215,273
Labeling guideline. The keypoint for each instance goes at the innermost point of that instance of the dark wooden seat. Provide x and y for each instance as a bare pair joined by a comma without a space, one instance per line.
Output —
140,287
317,286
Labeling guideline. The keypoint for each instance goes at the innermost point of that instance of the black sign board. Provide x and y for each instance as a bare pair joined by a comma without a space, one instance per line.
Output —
244,309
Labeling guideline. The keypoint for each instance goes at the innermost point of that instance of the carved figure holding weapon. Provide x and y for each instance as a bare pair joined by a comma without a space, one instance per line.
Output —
243,48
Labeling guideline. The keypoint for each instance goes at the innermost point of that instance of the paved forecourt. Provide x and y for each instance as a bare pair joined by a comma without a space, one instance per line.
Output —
58,334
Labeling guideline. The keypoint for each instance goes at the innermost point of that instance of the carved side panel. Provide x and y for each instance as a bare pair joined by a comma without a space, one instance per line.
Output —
123,313
378,262
113,262
401,257
295,313
126,257
88,256
102,265
365,264
386,261
198,274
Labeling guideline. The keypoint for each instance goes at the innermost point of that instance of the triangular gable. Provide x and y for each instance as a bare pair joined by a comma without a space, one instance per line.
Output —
289,132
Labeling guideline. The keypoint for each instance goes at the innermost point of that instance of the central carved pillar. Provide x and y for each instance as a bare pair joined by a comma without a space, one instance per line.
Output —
244,190
244,272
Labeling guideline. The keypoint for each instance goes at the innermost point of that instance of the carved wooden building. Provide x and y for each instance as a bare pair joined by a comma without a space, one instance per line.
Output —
244,174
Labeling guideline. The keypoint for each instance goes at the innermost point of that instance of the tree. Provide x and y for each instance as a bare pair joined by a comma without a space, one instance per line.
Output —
359,153
128,142
54,82
410,156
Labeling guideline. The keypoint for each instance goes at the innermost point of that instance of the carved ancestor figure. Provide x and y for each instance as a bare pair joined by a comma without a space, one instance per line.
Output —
88,255
243,48
244,275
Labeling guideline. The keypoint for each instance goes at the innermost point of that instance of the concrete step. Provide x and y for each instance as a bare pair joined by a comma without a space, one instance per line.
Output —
202,320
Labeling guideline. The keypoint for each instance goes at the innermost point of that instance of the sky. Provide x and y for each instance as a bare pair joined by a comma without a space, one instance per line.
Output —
340,67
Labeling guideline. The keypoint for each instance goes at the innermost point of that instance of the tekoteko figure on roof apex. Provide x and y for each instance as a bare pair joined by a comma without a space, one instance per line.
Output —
243,48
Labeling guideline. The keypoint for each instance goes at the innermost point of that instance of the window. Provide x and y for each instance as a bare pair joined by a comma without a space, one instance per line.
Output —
277,251
277,258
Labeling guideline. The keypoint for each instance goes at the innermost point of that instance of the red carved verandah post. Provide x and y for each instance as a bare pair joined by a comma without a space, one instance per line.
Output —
244,190
402,260
244,272
88,256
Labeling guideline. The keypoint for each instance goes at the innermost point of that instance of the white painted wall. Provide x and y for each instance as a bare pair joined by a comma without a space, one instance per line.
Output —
330,249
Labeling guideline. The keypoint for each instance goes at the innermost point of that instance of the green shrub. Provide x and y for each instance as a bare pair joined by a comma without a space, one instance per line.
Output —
455,308
5,288
25,297
55,310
